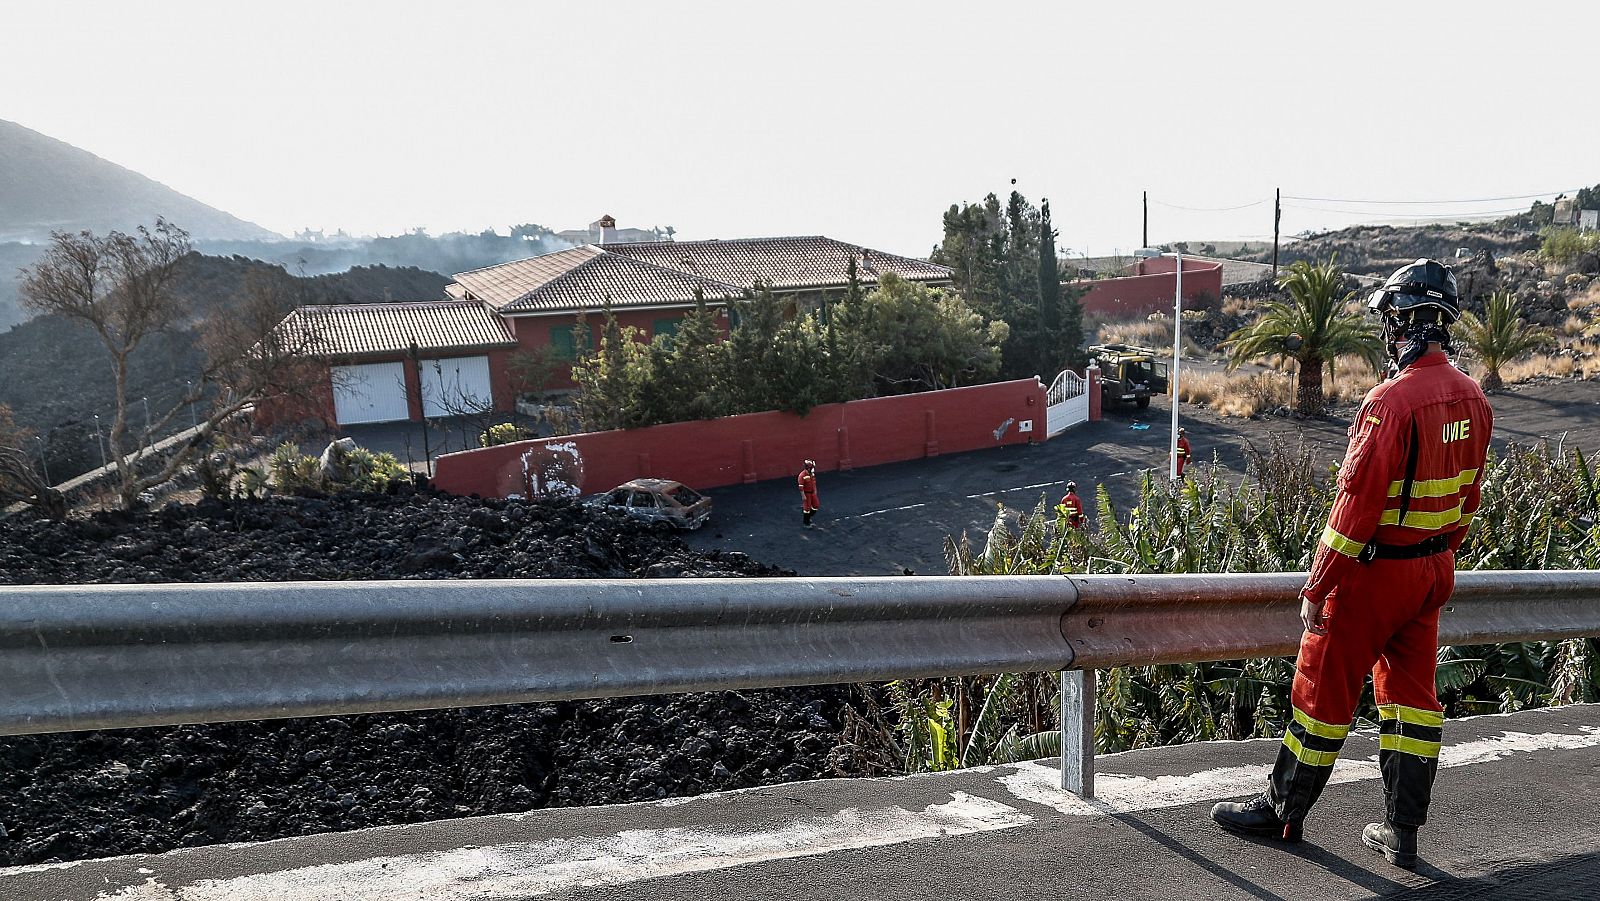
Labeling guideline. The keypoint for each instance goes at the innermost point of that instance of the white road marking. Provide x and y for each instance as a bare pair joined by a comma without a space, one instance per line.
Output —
973,497
889,510
1115,793
520,870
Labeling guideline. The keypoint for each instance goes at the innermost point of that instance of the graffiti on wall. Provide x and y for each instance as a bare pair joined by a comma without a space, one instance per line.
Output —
554,469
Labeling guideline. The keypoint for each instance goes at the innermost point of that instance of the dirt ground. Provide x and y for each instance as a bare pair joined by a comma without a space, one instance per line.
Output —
890,519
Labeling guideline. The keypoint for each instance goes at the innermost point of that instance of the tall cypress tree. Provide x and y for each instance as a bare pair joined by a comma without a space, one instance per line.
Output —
1049,278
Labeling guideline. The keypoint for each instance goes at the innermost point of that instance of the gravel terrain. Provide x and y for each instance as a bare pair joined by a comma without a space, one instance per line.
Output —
93,794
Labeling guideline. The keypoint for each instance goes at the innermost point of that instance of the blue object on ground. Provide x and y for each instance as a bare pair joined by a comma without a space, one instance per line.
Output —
1140,426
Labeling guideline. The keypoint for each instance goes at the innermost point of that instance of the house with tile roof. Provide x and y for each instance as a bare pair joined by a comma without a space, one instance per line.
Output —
414,360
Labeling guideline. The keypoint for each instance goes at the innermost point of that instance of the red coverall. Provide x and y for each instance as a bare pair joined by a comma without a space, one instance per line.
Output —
1184,453
808,494
1382,614
1074,505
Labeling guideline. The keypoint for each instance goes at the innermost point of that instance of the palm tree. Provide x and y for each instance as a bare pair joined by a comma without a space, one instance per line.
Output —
1502,335
1314,326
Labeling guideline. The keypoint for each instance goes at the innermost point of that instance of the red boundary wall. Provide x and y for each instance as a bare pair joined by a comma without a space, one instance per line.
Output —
756,446
1151,290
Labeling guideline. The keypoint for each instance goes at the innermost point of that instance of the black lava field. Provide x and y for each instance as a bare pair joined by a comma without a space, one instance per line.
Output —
93,794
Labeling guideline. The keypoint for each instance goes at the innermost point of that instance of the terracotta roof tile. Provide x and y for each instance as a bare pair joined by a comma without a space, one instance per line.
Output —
505,283
348,330
781,263
668,272
585,278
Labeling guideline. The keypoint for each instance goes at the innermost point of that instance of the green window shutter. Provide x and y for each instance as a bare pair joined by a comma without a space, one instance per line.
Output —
665,328
563,344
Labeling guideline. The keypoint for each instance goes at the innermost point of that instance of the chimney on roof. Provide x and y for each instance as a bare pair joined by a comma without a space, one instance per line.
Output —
606,222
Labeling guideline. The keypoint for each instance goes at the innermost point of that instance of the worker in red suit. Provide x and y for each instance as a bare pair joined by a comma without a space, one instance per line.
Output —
1385,565
1184,451
1073,505
808,492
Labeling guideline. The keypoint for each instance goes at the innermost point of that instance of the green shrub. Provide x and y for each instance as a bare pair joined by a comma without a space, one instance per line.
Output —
504,433
1539,511
371,472
289,471
1563,245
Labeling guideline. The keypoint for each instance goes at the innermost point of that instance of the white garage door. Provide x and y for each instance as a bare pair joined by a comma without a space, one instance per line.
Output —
456,386
371,392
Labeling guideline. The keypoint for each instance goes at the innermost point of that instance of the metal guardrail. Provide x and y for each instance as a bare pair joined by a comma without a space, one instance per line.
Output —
112,656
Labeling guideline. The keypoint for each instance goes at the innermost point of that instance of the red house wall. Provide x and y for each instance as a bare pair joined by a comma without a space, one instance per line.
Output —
1141,295
533,333
771,445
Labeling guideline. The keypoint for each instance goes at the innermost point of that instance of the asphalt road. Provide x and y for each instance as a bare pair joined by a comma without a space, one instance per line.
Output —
884,520
1516,816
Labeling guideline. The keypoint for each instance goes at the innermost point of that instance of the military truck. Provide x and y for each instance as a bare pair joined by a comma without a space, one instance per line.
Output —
1129,374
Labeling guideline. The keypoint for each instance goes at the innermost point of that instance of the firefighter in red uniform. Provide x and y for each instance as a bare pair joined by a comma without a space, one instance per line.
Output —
1408,489
1184,452
1073,505
808,492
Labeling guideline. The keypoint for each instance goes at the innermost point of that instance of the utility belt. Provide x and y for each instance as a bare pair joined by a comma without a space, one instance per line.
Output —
1427,547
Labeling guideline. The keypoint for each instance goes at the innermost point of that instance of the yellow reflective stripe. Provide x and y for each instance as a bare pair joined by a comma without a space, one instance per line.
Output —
1416,716
1319,728
1306,755
1374,420
1341,544
1418,520
1405,744
1436,487
1466,520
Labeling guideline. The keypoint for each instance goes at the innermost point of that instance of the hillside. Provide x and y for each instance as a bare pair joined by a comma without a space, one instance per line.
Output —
1380,249
46,185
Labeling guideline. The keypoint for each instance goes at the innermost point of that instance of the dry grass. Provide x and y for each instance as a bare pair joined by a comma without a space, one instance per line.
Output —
1247,394
1236,306
1586,299
1143,332
1574,325
1237,394
1153,332
1538,366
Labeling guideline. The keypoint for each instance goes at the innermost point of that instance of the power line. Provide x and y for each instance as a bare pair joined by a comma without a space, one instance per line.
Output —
1433,202
1211,209
1419,214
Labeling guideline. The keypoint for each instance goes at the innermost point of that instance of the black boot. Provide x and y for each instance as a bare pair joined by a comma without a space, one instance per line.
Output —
1255,817
1397,843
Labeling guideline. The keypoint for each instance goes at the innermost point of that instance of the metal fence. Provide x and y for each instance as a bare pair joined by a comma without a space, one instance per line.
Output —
112,656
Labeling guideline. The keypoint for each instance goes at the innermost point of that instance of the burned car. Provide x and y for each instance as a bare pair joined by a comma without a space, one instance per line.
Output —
658,501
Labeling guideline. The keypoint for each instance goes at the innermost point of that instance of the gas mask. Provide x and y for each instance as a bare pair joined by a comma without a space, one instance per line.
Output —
1407,334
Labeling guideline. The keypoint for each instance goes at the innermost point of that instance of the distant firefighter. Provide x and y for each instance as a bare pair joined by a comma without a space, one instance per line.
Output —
1185,453
1073,505
808,492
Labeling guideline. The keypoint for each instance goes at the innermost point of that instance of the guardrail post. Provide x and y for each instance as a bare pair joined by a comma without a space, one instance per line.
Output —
1077,732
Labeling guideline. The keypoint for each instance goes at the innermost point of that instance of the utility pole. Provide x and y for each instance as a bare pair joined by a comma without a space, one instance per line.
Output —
1277,217
1146,236
1177,355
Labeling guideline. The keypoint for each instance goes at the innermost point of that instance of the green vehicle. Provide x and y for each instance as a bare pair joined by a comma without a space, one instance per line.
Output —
1129,374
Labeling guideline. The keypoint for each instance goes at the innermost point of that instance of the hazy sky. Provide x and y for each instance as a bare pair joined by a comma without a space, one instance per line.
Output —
859,121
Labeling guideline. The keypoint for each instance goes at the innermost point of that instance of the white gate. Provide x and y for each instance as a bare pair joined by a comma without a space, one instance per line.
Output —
455,386
1067,404
370,392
